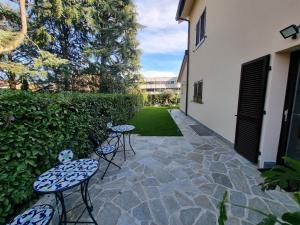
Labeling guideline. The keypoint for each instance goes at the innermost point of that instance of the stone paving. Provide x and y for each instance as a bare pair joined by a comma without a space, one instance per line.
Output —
179,181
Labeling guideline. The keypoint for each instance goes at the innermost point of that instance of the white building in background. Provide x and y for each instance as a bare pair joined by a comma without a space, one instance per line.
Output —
156,85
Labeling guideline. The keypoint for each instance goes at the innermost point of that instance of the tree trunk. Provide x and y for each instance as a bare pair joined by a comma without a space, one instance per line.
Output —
17,38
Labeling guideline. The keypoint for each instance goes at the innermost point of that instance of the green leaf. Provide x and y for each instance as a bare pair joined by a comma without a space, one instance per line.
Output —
270,220
292,218
297,197
222,210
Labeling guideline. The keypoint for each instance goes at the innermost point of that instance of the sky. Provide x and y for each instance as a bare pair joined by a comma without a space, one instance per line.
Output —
162,41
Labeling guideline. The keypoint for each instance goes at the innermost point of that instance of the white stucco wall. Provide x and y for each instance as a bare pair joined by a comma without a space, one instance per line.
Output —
183,88
237,32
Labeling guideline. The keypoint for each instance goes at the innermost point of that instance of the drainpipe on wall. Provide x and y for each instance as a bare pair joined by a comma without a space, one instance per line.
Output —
188,67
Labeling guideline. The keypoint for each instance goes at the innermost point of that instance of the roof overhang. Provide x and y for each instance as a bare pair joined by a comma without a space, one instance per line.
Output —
184,9
184,62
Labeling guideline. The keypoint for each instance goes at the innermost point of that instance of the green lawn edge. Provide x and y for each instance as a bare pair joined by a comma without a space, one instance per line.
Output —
155,121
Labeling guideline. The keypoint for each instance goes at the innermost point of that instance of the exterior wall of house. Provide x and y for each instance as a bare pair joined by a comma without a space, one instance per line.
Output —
183,88
237,32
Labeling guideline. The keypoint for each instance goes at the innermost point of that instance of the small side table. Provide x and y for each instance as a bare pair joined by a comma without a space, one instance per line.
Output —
125,129
66,176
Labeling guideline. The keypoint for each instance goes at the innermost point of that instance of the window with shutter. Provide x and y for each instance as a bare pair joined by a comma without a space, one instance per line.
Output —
200,29
198,89
250,113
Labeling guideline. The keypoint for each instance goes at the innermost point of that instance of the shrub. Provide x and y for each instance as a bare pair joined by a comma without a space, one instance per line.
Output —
165,98
32,123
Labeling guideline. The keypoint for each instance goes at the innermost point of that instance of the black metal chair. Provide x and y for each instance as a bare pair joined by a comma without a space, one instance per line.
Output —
104,149
111,135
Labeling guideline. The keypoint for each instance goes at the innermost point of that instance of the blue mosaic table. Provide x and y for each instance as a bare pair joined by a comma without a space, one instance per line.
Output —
125,129
38,215
66,176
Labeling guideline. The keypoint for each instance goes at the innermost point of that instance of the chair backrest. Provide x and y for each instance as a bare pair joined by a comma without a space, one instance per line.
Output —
65,156
94,139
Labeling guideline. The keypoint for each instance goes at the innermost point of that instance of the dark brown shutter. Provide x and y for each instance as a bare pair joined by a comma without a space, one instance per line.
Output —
250,113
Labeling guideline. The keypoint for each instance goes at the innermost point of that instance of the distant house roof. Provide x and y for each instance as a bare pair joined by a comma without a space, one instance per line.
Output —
180,9
183,10
147,79
184,61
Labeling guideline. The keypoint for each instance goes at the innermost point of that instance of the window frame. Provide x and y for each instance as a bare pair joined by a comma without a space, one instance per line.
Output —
201,29
198,92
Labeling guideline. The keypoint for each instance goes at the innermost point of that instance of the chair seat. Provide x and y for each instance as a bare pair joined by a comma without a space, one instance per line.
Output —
114,135
41,215
107,149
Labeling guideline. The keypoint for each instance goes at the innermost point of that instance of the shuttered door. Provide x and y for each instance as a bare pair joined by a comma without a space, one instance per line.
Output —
250,113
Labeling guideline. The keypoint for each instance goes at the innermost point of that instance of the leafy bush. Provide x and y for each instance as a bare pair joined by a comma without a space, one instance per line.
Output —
165,98
32,123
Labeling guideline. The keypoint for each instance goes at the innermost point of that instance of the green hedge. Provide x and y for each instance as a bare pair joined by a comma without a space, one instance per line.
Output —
164,99
32,123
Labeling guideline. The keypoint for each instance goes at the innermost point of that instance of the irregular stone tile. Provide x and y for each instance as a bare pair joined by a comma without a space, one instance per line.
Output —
207,218
239,181
139,191
139,169
152,192
108,195
199,180
233,221
276,208
115,184
142,212
238,198
203,202
205,147
174,220
109,215
256,203
127,200
219,192
158,212
125,219
183,200
282,197
188,216
163,176
246,223
195,157
257,191
171,204
150,182
208,188
222,179
218,167
134,165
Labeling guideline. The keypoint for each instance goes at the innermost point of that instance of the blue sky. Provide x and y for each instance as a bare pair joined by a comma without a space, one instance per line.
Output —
163,40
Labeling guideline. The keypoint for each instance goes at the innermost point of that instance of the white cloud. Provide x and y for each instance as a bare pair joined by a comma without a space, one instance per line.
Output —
162,33
154,73
166,41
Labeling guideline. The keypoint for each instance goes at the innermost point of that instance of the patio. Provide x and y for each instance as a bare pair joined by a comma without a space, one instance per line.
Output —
178,181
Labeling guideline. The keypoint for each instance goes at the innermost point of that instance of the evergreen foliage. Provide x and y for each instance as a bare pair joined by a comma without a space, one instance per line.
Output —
97,39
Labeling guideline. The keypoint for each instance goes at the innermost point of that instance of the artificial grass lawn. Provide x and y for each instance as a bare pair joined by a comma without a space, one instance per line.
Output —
155,121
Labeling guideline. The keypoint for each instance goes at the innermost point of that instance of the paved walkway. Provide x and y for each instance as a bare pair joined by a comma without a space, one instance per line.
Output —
180,181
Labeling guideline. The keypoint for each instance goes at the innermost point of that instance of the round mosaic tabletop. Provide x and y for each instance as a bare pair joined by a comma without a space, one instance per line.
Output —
66,176
38,215
123,128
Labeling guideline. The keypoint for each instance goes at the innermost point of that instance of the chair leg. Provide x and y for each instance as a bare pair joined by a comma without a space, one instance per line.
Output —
109,162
